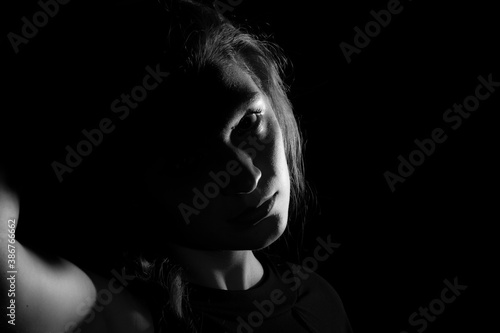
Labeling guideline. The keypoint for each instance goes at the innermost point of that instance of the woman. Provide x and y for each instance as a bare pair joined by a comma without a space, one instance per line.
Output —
231,180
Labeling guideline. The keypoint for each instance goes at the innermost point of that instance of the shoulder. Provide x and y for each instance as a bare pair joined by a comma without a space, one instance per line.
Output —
117,307
316,297
308,284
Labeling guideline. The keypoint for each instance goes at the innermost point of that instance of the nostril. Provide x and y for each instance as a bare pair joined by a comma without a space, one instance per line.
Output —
248,186
244,182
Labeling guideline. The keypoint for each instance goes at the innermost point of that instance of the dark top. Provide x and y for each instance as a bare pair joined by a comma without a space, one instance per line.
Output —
287,299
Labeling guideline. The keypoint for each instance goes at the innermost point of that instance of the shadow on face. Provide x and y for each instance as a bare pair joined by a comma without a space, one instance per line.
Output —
224,157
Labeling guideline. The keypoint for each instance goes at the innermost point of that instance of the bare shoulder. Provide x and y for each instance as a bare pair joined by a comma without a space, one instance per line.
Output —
116,307
57,298
53,295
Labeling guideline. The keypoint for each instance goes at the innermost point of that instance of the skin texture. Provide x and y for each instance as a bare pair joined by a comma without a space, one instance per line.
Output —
215,252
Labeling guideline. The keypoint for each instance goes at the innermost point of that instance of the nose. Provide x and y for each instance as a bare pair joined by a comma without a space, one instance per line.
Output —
246,176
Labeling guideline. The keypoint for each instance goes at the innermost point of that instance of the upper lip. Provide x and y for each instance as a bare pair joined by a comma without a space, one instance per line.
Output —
254,214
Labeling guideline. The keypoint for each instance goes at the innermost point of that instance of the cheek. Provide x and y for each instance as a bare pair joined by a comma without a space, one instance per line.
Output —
282,173
279,155
273,162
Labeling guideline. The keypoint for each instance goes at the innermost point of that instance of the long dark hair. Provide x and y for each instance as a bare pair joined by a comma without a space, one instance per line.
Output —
199,36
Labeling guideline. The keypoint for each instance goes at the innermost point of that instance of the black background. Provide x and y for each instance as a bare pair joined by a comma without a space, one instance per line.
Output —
396,247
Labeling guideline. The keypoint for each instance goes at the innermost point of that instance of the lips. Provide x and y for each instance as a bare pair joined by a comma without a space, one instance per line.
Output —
253,215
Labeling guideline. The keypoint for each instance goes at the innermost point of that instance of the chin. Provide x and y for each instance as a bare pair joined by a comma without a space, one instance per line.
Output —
261,235
236,238
266,232
256,237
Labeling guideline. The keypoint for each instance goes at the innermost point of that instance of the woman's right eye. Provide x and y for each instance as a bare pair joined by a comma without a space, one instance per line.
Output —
250,121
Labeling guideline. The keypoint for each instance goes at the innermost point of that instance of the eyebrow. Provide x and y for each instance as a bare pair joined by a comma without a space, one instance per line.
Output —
240,103
247,99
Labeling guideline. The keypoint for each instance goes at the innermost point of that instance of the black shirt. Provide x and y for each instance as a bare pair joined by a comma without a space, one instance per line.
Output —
285,300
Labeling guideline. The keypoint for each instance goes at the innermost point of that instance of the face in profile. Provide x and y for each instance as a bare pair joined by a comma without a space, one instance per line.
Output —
232,190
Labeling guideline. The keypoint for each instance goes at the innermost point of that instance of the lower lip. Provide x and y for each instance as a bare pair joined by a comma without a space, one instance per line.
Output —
256,215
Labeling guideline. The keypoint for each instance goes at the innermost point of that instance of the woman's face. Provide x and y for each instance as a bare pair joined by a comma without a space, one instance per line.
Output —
235,191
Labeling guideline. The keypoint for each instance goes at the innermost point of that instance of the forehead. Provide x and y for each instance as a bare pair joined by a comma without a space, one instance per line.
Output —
226,87
203,104
214,95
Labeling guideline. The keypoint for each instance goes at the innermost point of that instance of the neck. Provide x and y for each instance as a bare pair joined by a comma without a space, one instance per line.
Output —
226,270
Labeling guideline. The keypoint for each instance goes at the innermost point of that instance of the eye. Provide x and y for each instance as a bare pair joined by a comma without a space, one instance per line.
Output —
250,121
